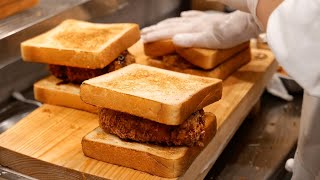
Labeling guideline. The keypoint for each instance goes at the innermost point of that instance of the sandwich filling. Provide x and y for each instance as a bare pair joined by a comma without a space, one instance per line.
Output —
78,75
129,127
177,62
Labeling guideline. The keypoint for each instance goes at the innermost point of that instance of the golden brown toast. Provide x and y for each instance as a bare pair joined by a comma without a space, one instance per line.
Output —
81,44
51,90
200,57
159,48
208,58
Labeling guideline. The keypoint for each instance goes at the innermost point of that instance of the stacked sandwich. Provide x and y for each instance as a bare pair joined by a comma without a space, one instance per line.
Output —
77,51
147,114
198,61
144,110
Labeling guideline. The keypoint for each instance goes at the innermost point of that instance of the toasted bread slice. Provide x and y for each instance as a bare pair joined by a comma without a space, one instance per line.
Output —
222,71
10,7
208,58
160,95
50,91
81,44
169,162
200,57
159,48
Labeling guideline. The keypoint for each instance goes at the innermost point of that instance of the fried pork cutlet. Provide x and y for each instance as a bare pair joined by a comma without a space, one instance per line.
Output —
130,127
78,75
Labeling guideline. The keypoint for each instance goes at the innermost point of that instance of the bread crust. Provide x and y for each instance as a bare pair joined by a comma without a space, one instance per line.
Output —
199,57
207,58
159,48
222,71
49,91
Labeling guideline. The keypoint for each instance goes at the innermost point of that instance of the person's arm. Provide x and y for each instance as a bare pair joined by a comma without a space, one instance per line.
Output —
264,10
214,31
259,9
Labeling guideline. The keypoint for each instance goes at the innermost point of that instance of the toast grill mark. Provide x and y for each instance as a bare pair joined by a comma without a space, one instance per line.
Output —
78,75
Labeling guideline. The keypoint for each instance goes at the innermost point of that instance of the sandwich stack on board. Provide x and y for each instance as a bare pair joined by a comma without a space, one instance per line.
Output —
77,51
10,7
146,113
198,61
150,119
150,116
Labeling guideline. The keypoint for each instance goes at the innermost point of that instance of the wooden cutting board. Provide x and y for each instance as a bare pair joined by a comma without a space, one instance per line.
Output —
47,143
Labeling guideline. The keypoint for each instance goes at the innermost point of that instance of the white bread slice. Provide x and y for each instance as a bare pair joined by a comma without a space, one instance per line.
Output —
10,7
81,44
160,95
159,48
169,162
222,71
208,58
49,91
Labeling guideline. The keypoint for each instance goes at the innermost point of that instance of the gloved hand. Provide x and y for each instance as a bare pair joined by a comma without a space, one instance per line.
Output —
249,6
204,30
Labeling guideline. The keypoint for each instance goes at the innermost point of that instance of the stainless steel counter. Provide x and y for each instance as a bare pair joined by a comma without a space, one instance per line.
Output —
26,19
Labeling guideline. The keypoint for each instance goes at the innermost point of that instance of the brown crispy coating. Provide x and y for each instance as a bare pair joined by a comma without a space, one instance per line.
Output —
78,75
130,127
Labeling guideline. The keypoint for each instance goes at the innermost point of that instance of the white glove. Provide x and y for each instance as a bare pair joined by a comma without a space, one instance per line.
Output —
249,6
204,30
276,88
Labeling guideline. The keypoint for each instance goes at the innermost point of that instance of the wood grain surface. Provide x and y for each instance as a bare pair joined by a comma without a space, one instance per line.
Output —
47,143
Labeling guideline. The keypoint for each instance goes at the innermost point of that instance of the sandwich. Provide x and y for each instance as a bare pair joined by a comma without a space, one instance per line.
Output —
152,105
198,61
150,119
76,51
